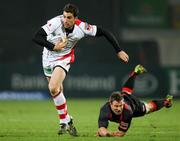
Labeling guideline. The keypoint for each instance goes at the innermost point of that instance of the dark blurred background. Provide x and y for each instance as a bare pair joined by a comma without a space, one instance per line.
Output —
147,30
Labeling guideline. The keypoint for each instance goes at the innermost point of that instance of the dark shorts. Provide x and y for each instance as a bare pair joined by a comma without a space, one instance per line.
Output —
138,107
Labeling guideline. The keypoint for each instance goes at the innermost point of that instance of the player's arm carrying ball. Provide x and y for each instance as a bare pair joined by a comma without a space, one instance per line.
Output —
61,44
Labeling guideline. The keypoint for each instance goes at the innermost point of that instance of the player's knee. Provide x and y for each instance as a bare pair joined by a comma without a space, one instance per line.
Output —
54,90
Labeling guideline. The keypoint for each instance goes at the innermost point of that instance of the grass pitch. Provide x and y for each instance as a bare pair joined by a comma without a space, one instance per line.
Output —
38,121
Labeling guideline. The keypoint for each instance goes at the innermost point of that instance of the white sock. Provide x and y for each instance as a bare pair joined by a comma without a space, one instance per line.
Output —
61,107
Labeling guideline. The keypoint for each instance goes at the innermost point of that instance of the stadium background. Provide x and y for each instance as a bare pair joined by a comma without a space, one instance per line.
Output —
147,30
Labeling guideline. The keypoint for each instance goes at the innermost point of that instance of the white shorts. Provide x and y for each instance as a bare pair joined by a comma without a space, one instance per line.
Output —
49,65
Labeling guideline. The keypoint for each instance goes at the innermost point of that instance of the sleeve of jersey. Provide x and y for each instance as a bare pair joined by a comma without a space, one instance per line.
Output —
103,119
110,37
51,25
40,39
88,29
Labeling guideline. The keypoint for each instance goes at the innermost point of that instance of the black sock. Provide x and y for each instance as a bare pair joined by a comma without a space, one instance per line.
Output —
130,82
159,103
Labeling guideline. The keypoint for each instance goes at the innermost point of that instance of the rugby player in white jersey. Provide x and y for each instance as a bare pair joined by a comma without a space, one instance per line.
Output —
59,37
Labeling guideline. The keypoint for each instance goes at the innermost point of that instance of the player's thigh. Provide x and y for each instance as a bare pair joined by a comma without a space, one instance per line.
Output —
57,77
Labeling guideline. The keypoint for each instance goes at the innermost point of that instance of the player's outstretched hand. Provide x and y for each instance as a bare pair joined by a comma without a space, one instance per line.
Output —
123,56
117,134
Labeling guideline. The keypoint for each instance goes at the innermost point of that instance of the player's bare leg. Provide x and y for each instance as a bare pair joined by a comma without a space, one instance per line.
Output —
56,90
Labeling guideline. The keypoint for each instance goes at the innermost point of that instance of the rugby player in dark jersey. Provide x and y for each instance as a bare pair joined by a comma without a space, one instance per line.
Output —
123,106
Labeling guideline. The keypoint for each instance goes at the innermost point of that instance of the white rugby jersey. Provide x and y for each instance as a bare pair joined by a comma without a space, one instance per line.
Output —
55,30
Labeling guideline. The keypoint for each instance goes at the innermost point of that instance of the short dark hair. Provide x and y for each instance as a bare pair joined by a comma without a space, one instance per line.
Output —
71,8
115,96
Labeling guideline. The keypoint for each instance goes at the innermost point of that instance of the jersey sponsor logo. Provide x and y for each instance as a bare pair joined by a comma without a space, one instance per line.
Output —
48,25
87,27
123,125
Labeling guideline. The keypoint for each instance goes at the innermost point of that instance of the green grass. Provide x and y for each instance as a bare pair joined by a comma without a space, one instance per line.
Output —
37,121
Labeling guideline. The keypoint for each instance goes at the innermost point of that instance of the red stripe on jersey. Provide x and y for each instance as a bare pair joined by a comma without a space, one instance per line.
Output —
78,22
61,107
127,90
71,54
